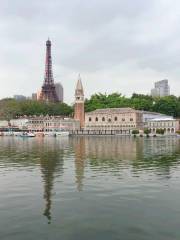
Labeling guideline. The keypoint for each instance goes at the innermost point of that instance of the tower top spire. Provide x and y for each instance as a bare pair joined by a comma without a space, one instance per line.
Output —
79,87
48,42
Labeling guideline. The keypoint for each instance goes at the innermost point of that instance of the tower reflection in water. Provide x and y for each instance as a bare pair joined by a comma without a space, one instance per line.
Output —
76,158
51,162
111,154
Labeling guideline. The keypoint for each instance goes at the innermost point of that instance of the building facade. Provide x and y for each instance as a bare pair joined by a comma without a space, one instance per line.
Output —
19,97
161,89
20,123
34,96
121,120
170,126
52,124
79,103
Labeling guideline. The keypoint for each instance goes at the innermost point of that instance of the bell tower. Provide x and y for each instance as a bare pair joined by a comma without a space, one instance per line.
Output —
79,103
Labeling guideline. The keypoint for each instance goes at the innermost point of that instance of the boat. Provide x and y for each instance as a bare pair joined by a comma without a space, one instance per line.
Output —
27,134
62,133
56,133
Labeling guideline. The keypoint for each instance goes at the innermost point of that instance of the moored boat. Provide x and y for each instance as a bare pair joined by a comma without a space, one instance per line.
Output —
56,133
27,134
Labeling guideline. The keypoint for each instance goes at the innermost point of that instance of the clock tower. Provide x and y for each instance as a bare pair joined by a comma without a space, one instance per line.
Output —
79,103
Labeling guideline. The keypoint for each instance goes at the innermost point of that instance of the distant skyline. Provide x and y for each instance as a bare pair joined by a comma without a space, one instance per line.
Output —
117,46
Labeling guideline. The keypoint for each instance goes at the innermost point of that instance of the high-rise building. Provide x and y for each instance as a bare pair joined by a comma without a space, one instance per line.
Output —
79,103
59,91
19,97
161,89
34,96
48,91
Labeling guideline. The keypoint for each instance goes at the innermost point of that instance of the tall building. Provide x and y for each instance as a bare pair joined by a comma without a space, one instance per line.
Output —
19,97
48,91
34,96
59,91
161,89
79,103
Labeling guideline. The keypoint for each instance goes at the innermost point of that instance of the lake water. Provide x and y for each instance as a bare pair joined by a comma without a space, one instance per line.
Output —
92,188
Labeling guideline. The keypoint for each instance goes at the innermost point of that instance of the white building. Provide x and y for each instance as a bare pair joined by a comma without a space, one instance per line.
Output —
4,123
21,123
51,124
170,126
161,89
148,116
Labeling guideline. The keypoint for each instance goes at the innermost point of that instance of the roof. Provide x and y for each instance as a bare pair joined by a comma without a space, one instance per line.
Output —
153,113
79,87
162,119
114,110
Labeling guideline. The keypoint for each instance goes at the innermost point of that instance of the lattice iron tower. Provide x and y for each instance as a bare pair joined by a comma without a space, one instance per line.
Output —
48,91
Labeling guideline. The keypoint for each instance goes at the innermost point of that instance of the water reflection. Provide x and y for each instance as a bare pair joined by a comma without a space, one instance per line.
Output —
79,159
110,155
51,163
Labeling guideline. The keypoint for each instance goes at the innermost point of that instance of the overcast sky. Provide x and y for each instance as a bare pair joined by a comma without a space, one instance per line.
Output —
117,45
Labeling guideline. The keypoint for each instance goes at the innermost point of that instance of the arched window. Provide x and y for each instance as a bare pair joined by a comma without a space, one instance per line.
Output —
131,119
115,119
103,119
96,119
109,120
90,119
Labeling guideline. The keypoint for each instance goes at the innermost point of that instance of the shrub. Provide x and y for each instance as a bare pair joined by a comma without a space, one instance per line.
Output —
160,131
135,131
147,131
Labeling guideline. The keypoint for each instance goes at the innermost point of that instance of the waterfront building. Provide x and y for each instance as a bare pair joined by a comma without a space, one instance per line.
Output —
52,124
120,120
148,116
79,103
20,123
170,126
4,123
59,91
48,91
161,89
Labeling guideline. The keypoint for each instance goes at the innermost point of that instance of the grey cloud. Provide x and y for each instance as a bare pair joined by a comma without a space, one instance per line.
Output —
92,37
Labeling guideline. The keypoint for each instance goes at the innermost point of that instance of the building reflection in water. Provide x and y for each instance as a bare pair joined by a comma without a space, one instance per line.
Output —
78,144
118,152
97,154
51,163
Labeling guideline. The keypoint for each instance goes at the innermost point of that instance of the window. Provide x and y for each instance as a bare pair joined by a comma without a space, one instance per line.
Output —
115,119
109,120
96,119
131,119
103,119
90,119
123,119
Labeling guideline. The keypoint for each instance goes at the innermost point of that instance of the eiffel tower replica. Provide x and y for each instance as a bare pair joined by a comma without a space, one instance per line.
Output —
48,90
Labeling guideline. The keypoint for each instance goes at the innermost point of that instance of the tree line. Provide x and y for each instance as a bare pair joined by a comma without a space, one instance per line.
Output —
11,108
170,105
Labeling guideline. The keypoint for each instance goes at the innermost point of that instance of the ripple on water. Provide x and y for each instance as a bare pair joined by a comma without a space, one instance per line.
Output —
89,187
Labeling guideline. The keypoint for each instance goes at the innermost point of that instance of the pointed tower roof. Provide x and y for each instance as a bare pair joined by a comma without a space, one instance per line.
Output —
79,87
